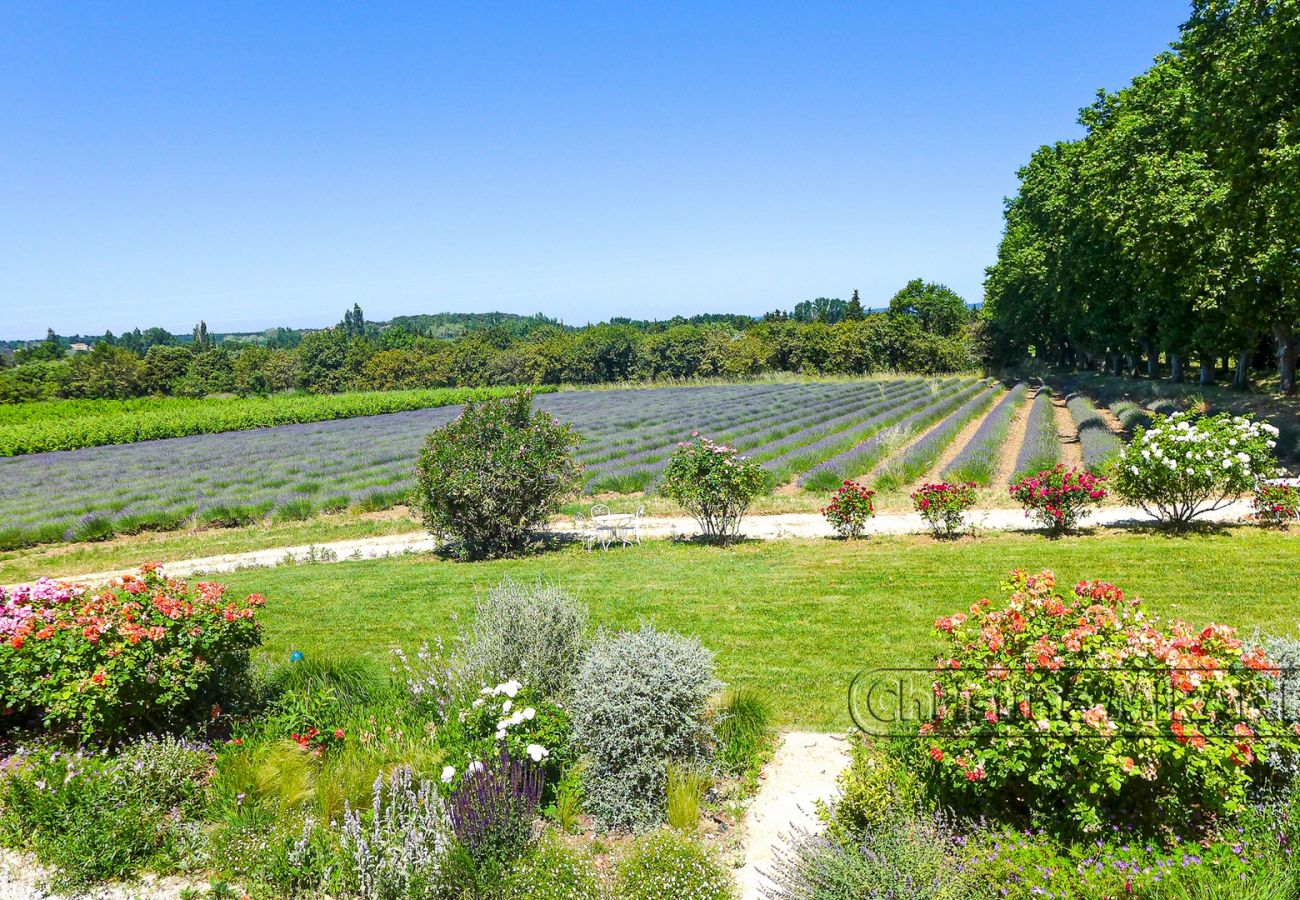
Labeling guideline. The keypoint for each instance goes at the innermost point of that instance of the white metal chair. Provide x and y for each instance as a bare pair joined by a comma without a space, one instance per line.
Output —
586,531
633,528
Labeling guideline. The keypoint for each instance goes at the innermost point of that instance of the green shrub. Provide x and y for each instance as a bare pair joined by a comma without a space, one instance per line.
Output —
532,633
489,481
743,726
1184,466
876,788
639,702
101,817
670,864
714,483
552,870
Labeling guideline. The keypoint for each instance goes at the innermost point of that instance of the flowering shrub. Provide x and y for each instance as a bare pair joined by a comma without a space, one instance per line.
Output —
491,812
1079,705
1276,504
713,483
670,864
849,509
1059,498
505,718
488,481
1183,466
144,651
944,505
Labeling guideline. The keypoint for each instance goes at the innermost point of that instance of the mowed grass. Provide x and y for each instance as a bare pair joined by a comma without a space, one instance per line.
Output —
793,618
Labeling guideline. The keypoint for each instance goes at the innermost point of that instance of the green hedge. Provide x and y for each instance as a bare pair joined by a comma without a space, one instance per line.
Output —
70,424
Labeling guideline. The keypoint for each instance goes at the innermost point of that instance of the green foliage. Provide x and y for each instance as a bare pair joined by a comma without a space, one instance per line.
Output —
714,483
96,817
639,703
670,864
552,870
1184,466
488,481
684,791
533,633
743,727
938,308
69,424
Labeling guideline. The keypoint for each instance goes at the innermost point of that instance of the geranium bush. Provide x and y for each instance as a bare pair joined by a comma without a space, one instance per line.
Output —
849,509
1183,466
488,481
1276,504
943,506
1059,497
144,652
713,483
1079,706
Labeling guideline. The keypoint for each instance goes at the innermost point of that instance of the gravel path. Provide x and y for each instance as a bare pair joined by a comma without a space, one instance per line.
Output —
773,527
802,771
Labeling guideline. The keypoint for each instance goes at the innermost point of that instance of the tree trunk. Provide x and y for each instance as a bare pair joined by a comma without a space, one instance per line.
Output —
1208,370
1175,368
1241,378
1130,364
1286,357
1153,363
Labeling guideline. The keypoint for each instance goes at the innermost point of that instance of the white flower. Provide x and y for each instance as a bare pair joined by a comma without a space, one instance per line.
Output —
529,713
1227,464
505,707
1244,457
477,703
509,688
1043,725
1133,469
474,768
537,753
448,773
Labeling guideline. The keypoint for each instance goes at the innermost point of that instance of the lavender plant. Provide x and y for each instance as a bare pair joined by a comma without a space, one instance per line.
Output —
1042,447
1099,445
398,851
978,460
492,810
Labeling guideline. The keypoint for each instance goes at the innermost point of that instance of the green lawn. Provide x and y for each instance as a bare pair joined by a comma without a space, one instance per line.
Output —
794,618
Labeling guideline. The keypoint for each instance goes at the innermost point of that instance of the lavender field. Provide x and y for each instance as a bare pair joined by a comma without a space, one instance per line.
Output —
811,434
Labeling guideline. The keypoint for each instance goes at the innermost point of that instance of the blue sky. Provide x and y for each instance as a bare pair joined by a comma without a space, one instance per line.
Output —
264,164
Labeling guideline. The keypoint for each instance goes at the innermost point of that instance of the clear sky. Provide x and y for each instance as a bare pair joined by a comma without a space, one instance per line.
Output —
270,164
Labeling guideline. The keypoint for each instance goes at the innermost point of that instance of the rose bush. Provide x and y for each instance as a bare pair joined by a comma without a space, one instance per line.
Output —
1182,467
1058,497
943,506
849,509
1276,504
713,483
1079,707
144,652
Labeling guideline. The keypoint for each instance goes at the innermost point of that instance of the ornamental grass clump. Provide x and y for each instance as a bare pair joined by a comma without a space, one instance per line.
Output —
488,481
1075,709
849,509
1059,497
640,702
1185,466
943,506
714,483
144,653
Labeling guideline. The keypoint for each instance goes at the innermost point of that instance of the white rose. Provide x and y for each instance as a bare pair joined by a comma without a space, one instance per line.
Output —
537,753
448,773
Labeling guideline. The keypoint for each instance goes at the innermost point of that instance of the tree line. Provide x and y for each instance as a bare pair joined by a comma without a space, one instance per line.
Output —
1171,231
927,329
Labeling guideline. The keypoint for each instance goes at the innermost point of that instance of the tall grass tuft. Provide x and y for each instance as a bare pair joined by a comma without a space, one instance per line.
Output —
743,725
686,787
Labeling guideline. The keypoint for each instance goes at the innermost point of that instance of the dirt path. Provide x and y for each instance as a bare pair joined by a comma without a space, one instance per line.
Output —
764,528
802,772
960,441
1071,450
1112,421
1014,441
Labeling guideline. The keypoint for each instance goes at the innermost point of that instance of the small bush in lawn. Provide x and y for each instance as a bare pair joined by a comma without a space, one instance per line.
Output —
713,483
671,864
489,481
144,652
743,726
1058,497
943,506
1081,707
1276,505
639,702
553,870
1183,466
97,817
530,632
849,509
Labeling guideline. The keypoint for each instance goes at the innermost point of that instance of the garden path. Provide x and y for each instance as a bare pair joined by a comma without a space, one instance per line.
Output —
769,527
802,771
1071,449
